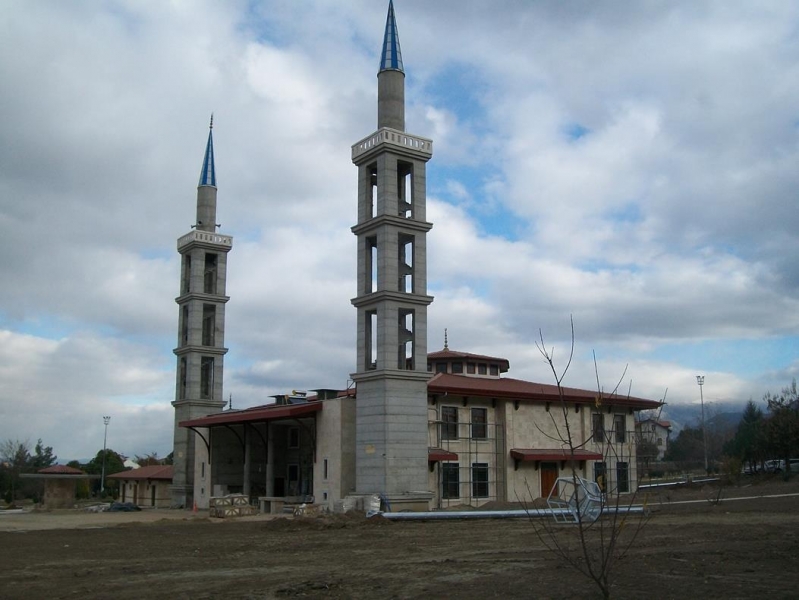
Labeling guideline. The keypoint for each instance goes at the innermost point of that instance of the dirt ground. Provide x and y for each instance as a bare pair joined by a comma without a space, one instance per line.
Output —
691,547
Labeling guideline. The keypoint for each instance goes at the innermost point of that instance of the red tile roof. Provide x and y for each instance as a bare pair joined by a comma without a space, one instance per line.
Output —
448,354
257,414
163,472
507,388
60,470
525,454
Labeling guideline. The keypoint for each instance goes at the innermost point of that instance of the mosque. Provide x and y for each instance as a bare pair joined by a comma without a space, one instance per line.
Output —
421,429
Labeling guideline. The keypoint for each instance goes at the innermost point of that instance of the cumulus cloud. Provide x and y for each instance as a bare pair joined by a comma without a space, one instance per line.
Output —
629,164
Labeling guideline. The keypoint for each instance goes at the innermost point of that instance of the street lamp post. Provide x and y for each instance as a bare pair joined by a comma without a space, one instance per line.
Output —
105,439
700,379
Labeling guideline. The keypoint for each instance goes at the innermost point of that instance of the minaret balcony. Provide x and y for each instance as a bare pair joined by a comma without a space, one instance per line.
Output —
205,238
386,138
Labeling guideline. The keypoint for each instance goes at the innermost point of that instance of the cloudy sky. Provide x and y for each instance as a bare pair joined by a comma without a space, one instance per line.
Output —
630,164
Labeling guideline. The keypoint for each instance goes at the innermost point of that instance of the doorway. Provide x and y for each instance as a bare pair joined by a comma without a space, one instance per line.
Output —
549,478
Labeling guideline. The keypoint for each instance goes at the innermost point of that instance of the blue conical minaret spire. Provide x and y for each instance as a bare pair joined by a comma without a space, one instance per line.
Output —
391,59
208,173
391,78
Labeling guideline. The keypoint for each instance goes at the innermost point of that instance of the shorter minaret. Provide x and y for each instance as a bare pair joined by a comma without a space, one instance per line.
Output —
201,330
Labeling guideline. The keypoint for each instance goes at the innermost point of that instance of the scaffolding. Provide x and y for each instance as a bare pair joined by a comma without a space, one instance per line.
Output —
475,473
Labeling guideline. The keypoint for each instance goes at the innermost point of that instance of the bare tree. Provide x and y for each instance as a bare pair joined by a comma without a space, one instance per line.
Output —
592,545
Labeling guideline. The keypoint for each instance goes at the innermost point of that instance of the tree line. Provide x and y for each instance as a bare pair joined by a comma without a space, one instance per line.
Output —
17,458
760,435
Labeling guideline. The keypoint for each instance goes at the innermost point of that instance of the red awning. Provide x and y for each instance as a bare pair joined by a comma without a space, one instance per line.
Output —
259,414
527,454
439,455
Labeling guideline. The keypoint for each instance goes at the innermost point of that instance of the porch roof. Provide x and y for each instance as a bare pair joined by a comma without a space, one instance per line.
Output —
527,454
257,414
439,455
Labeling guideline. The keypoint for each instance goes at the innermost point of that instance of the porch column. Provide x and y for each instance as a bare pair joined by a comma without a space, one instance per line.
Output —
270,461
247,452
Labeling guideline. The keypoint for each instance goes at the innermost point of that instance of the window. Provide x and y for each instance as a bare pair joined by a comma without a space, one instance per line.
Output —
623,477
450,481
449,425
457,367
660,441
479,428
619,423
470,368
479,480
600,474
294,437
494,369
598,427
441,367
481,369
209,281
324,469
207,377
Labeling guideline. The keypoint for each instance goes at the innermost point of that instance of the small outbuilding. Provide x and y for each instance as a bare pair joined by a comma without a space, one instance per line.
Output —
146,486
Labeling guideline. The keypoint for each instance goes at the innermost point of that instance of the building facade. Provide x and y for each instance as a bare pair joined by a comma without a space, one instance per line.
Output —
149,486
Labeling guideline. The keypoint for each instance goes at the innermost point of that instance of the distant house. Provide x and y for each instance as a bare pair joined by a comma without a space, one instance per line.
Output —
146,486
655,431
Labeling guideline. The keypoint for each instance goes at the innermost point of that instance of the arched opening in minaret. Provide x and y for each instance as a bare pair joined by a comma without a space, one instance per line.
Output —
207,377
406,340
371,265
405,267
209,324
211,261
372,191
185,280
405,189
371,339
182,376
184,325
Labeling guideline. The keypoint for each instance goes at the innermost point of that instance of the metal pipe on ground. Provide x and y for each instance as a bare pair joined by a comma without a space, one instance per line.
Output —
496,514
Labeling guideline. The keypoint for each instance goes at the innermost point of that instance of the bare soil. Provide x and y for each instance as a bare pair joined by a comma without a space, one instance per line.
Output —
692,546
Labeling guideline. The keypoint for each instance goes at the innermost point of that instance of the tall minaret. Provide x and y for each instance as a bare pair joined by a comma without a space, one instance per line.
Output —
201,326
391,372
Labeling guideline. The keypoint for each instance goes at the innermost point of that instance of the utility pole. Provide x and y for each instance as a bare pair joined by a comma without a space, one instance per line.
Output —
700,379
105,439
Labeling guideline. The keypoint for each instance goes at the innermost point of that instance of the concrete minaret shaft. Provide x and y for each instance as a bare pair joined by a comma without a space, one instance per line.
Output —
392,300
201,327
